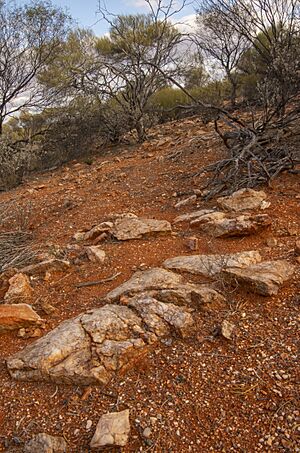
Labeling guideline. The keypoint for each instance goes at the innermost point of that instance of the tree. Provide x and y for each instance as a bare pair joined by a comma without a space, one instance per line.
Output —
219,41
74,62
194,72
271,29
132,62
29,38
256,153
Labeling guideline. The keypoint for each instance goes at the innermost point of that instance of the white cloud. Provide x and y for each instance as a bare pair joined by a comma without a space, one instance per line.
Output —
145,4
186,24
140,3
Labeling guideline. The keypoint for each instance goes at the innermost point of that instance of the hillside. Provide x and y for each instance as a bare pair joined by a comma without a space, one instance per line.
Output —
199,391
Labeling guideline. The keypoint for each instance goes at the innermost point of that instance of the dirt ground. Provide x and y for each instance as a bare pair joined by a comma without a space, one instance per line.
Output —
205,394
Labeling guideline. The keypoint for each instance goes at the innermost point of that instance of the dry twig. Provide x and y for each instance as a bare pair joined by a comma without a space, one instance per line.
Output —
98,282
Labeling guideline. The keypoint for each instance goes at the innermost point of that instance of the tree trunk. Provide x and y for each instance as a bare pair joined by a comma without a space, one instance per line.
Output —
141,130
233,90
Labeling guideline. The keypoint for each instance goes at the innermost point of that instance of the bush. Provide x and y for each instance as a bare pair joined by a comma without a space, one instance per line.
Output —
167,101
10,166
248,87
36,142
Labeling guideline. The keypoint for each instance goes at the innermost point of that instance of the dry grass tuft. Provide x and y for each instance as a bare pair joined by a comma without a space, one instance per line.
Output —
16,243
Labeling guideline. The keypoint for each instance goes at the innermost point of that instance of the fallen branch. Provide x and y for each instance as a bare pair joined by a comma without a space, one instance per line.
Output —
254,161
97,282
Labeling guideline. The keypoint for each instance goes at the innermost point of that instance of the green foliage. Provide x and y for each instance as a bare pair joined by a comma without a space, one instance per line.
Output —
134,33
168,100
56,135
271,61
29,38
72,61
135,56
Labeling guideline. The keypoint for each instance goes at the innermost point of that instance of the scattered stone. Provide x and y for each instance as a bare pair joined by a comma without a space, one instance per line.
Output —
96,254
197,192
147,433
227,329
30,333
53,265
19,291
5,276
17,316
79,236
271,242
292,230
243,200
210,265
98,230
192,215
113,429
43,443
264,278
236,226
101,238
22,333
46,307
134,228
90,348
210,217
192,243
190,200
89,424
69,204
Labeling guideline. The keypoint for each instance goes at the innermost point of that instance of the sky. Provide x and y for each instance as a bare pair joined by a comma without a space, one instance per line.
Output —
84,11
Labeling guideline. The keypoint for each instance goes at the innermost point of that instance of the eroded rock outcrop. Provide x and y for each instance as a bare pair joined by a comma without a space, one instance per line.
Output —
210,265
192,215
125,227
244,200
166,286
161,317
264,278
89,349
242,225
214,216
136,228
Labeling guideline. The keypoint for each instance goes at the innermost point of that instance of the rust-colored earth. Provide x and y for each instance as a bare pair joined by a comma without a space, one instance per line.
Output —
199,395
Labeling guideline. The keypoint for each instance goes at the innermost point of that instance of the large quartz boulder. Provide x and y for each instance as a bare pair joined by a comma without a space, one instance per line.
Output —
90,348
210,265
165,286
136,228
264,278
242,225
244,200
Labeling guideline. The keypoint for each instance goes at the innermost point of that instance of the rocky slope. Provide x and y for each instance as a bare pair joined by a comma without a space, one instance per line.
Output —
146,299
